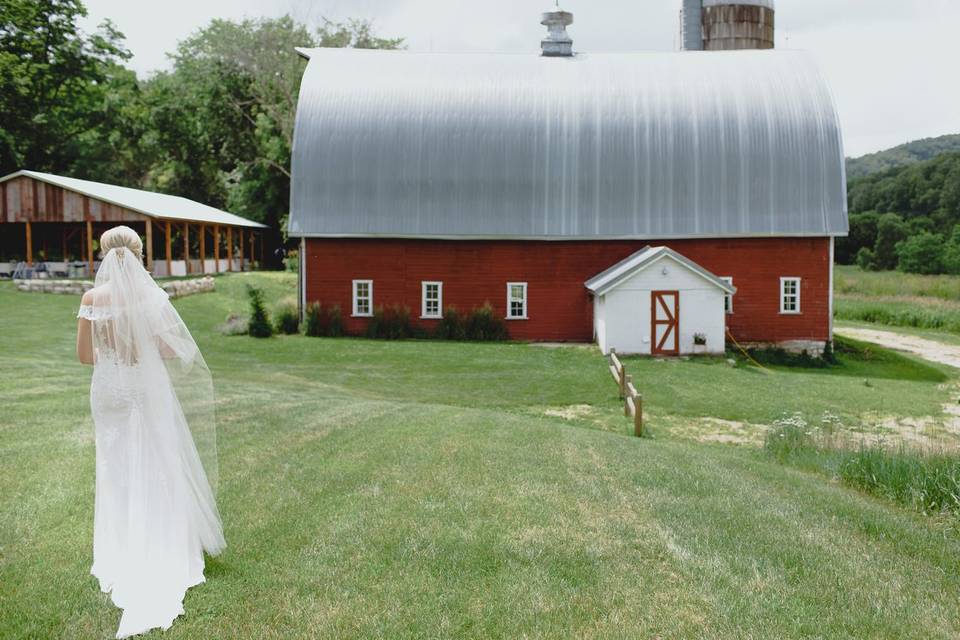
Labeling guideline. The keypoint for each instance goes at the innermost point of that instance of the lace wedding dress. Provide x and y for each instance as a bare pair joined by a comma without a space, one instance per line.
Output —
151,397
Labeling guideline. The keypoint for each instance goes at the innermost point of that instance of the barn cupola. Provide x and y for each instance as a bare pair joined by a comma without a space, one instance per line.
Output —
725,25
558,42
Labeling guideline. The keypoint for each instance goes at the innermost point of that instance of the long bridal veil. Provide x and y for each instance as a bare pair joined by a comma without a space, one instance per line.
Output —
153,406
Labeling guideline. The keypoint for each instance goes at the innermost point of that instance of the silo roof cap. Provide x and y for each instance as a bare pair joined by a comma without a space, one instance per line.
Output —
755,3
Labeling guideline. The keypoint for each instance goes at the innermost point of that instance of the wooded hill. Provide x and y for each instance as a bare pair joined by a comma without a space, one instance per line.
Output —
906,217
903,155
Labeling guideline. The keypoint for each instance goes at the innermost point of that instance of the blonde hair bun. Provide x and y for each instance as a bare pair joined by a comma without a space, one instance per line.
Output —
121,237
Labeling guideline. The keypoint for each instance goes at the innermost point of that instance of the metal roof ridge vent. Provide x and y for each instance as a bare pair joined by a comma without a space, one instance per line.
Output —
558,42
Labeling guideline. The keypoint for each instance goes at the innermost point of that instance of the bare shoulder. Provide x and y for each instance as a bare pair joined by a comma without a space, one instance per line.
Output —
94,296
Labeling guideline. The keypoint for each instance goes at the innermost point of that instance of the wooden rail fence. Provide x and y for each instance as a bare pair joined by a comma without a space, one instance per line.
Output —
632,400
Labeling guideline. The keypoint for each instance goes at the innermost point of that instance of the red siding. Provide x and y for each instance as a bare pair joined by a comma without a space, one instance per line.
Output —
559,307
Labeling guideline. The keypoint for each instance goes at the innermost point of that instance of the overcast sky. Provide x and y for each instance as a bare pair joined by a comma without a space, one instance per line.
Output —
893,64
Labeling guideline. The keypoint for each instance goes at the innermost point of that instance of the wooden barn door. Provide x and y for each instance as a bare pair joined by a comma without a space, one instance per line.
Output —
665,322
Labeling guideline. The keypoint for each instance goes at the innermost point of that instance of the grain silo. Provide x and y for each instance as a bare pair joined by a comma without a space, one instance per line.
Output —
724,25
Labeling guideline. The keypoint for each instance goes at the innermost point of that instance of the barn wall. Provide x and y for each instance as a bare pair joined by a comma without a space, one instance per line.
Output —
559,307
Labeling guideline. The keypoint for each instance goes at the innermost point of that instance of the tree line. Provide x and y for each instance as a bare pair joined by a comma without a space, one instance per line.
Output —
906,218
217,127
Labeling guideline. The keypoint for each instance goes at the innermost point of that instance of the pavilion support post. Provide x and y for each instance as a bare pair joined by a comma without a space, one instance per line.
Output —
186,246
63,244
253,248
216,248
29,232
149,245
90,248
167,247
261,250
229,248
241,250
203,248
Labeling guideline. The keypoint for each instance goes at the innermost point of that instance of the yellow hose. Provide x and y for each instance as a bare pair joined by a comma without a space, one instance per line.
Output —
747,355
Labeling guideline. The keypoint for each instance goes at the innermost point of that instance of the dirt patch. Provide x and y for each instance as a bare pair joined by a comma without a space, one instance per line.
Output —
571,412
927,349
714,430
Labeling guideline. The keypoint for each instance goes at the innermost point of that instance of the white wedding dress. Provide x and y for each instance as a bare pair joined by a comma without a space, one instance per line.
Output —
151,397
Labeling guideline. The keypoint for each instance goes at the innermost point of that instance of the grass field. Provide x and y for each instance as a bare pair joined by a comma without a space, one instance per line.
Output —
440,490
898,299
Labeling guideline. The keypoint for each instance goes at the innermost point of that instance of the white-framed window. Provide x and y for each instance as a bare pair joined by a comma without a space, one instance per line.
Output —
790,295
363,298
516,301
727,298
431,299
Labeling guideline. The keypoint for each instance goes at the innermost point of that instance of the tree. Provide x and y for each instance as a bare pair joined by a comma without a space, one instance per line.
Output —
891,229
223,117
951,252
863,233
921,253
866,260
56,86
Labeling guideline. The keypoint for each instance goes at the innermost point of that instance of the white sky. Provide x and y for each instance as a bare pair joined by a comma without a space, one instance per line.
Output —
893,64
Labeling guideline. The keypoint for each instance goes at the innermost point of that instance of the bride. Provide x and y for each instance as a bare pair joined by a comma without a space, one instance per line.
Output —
152,402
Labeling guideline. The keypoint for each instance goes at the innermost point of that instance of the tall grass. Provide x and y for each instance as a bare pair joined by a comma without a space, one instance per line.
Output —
926,481
900,313
851,280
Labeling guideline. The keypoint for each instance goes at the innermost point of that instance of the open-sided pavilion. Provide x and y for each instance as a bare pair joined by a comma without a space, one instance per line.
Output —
58,220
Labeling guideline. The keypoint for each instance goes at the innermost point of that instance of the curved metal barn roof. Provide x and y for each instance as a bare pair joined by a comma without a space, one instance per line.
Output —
636,145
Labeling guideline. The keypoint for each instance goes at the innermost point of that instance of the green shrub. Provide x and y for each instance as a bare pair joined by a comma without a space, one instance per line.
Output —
922,253
863,233
334,322
891,229
951,252
324,321
313,322
450,326
288,318
391,323
484,324
866,259
259,325
291,262
829,356
777,356
235,325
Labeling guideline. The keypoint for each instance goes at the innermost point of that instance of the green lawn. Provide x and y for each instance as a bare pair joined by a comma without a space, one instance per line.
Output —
438,490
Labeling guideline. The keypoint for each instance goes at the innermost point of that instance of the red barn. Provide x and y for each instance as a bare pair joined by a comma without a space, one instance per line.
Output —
431,180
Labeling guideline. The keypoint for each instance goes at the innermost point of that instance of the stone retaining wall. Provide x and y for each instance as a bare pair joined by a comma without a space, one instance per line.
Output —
175,288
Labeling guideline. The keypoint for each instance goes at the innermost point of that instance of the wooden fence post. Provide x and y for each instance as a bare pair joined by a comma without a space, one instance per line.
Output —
638,416
626,405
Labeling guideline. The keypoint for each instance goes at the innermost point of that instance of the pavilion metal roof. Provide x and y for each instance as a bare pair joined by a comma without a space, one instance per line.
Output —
149,203
617,145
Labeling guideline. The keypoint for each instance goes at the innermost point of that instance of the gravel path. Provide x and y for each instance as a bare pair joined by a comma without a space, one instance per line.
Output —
928,349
